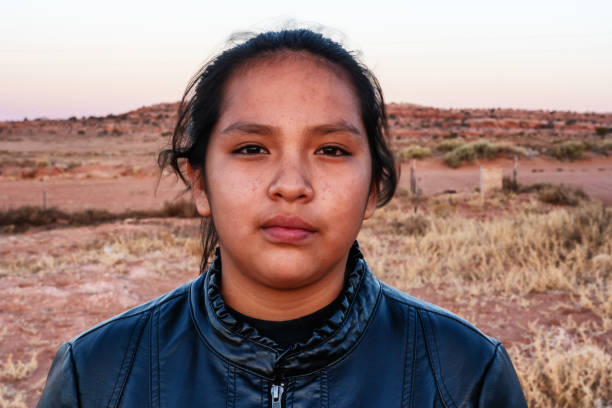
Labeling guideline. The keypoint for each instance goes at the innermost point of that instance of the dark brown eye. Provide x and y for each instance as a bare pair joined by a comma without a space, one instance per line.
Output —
332,151
250,150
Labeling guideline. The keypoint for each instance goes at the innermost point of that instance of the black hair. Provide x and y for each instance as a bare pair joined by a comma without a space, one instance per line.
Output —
200,106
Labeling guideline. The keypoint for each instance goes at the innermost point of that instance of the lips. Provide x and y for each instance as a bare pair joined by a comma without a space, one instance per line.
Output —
289,229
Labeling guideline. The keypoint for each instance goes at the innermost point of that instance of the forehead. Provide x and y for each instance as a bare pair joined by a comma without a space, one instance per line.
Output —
290,85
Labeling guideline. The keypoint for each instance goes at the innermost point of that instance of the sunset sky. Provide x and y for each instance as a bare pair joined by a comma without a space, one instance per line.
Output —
62,58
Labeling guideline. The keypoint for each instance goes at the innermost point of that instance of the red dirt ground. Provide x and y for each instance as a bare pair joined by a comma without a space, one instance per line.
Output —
116,195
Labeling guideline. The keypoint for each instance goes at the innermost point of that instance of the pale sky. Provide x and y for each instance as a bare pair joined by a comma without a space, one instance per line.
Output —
62,58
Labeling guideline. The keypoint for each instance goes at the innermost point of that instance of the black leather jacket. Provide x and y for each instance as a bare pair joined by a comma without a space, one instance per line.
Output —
381,348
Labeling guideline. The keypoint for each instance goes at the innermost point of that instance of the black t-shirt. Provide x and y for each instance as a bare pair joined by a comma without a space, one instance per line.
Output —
289,332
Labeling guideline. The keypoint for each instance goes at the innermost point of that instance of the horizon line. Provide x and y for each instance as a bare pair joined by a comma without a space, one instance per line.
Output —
387,103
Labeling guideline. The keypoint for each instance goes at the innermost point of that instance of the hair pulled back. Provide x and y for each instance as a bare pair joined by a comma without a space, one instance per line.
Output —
199,109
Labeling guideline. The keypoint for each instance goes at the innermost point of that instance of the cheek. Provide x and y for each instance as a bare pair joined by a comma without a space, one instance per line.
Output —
348,190
232,192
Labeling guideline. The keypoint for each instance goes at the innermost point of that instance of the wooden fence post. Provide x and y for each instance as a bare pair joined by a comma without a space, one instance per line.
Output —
44,196
481,185
413,177
414,189
514,172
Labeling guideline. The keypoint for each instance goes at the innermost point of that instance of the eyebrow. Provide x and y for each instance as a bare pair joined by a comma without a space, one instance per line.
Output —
339,126
250,127
324,129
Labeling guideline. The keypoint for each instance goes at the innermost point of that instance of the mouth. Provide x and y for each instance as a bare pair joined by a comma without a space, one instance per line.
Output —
287,229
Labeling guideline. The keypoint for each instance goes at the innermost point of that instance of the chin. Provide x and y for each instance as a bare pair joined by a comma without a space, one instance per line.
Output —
285,277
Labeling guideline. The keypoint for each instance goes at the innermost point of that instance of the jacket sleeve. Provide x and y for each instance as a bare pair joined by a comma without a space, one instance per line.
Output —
61,390
500,385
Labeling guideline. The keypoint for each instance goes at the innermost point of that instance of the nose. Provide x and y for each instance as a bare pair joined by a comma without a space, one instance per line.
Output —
291,182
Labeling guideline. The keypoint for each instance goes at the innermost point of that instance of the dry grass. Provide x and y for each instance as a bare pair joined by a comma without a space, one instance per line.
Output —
518,254
11,398
548,193
560,195
114,253
558,369
11,371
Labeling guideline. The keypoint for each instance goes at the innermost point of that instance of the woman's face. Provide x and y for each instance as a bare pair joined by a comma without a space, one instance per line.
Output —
288,172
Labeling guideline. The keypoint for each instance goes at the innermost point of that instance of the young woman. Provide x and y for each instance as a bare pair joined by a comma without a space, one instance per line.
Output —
283,138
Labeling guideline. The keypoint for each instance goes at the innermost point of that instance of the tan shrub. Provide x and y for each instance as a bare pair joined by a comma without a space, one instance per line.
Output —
481,149
568,150
414,152
449,144
18,370
11,398
560,370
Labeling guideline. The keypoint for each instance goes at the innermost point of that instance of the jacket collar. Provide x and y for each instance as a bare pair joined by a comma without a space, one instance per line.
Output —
241,344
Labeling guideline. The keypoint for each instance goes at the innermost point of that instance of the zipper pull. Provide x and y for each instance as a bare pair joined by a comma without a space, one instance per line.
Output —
277,395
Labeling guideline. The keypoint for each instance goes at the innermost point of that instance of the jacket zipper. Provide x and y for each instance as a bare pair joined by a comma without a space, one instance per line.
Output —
276,395
278,386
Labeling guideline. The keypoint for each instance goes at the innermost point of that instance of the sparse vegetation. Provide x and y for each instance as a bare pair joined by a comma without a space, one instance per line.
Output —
449,144
568,150
548,193
518,254
11,371
558,369
11,398
160,251
414,152
23,218
482,149
510,186
560,195
606,147
415,225
602,131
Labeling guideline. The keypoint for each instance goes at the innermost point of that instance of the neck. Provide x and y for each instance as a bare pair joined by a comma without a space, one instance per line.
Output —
252,298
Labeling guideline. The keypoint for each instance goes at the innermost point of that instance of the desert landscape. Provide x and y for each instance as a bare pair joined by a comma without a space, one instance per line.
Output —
89,228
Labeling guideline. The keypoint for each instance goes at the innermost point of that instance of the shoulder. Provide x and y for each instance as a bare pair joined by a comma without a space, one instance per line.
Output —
95,363
439,321
466,363
124,324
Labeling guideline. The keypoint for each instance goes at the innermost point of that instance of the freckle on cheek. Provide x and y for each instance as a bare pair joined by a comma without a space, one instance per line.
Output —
325,190
254,185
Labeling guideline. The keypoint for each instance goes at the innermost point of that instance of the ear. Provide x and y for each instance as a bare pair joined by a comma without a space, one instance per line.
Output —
371,204
199,194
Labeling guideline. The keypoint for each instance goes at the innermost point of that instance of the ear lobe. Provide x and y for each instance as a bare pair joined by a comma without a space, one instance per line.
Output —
371,204
199,194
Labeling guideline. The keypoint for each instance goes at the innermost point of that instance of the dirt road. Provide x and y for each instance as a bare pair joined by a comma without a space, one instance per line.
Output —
594,175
